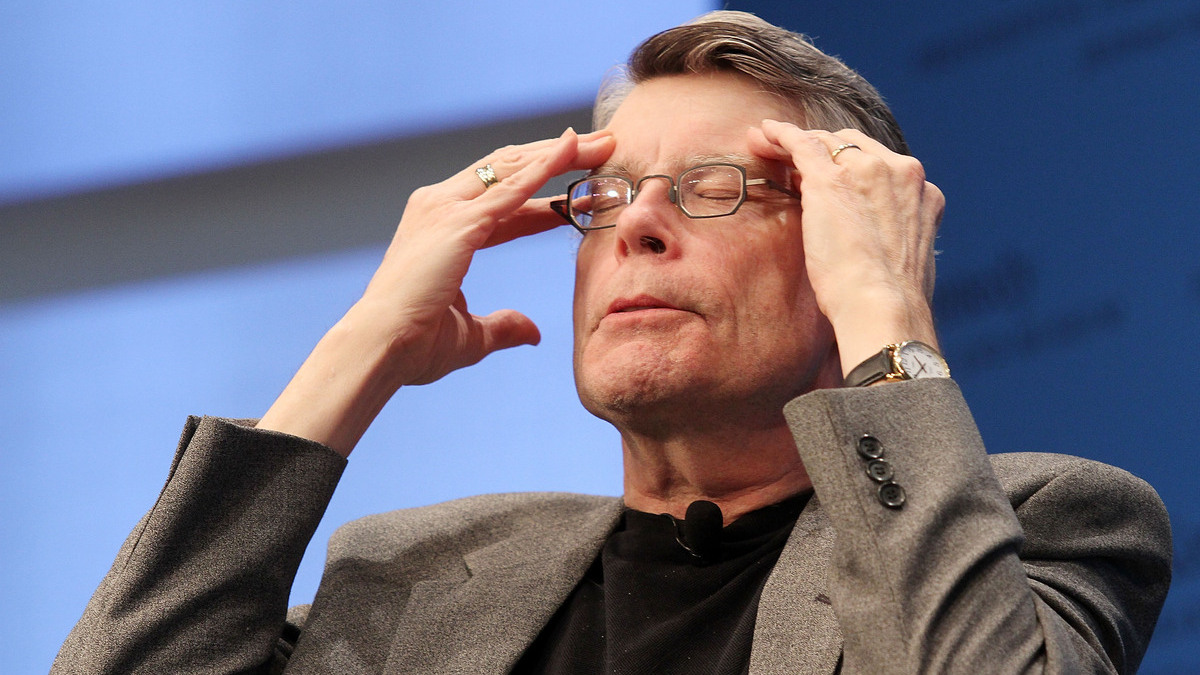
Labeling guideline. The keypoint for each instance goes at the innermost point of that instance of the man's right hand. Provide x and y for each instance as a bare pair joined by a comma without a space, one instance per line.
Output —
411,325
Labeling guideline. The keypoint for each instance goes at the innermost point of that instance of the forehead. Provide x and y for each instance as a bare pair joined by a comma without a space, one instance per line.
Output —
755,167
670,123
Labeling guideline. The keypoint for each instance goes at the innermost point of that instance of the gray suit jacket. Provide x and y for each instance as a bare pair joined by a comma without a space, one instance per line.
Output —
1024,562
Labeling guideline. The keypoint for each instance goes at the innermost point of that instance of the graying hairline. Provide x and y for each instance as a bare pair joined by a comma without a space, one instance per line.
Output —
616,88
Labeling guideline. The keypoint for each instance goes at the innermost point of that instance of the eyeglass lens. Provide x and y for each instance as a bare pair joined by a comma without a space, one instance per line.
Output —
703,192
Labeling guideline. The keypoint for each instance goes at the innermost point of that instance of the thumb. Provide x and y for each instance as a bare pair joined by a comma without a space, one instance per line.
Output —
507,328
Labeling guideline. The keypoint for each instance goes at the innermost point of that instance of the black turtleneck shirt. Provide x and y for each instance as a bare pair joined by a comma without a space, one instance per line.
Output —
648,604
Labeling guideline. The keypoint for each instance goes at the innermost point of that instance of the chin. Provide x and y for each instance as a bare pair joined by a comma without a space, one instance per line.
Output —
656,396
631,383
622,388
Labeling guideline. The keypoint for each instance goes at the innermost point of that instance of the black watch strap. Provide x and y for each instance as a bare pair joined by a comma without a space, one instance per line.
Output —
872,370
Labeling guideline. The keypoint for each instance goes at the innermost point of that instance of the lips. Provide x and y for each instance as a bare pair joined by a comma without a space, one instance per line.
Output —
636,303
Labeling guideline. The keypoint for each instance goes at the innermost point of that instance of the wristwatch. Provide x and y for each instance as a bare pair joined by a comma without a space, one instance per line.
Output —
904,361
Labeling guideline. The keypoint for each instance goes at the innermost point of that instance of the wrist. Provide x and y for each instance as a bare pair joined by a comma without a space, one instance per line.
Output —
338,391
863,330
908,360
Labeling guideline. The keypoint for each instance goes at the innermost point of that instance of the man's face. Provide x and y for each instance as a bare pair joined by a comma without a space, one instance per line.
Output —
695,318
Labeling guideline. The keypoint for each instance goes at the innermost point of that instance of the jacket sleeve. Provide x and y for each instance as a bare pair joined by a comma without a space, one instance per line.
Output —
202,582
1063,568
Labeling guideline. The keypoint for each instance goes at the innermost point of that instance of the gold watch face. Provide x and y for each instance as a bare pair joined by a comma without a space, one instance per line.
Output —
917,360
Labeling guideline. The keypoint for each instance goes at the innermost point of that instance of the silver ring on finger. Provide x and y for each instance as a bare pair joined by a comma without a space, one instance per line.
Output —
488,175
838,150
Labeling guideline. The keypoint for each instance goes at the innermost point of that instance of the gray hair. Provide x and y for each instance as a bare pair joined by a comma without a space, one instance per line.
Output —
824,91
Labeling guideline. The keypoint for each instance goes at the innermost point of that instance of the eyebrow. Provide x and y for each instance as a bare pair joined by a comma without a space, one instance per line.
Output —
755,166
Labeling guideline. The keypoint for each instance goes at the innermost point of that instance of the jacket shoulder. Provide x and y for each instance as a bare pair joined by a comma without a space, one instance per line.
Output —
1024,475
1071,500
470,519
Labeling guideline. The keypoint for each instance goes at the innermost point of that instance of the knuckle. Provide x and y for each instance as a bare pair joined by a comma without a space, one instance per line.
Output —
511,155
874,166
421,195
814,143
912,168
936,196
840,176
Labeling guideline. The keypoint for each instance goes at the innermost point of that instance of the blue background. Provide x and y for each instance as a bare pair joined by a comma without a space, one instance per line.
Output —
1064,135
1062,132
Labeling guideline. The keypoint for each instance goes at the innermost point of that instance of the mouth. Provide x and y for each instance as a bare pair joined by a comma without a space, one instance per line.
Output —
638,303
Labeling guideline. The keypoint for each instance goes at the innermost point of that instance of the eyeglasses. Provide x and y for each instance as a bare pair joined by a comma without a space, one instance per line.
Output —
704,191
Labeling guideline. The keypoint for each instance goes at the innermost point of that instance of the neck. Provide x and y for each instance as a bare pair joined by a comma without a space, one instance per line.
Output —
739,470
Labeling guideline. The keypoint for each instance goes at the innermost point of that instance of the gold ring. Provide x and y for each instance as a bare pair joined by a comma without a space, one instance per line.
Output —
488,175
838,150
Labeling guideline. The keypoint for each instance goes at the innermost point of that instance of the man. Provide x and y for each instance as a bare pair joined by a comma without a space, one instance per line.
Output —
743,284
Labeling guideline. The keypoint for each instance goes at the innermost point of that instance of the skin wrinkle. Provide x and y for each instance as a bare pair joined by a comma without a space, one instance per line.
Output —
698,394
756,167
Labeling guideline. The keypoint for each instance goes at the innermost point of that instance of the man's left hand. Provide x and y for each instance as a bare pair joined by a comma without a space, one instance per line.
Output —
869,220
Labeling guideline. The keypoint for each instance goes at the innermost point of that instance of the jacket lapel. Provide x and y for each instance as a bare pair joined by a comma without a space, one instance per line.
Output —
796,630
484,616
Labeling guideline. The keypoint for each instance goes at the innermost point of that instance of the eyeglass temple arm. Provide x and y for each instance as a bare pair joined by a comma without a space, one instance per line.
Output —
559,206
774,186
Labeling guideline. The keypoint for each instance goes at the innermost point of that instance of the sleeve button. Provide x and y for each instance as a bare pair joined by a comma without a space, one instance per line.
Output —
870,447
880,470
891,495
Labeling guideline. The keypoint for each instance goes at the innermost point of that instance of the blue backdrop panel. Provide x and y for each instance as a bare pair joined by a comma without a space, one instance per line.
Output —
94,386
122,91
1061,132
1064,135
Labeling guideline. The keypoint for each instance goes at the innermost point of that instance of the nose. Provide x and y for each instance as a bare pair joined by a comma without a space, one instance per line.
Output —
647,225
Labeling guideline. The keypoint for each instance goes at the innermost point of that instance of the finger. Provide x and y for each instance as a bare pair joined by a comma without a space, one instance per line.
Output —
509,160
808,152
507,328
507,211
779,133
842,149
761,147
585,152
532,217
513,192
468,184
865,142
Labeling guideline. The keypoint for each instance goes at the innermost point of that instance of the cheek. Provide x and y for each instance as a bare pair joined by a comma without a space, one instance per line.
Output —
774,295
586,271
767,264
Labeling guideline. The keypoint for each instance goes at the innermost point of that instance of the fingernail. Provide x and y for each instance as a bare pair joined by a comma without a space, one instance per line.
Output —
570,131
